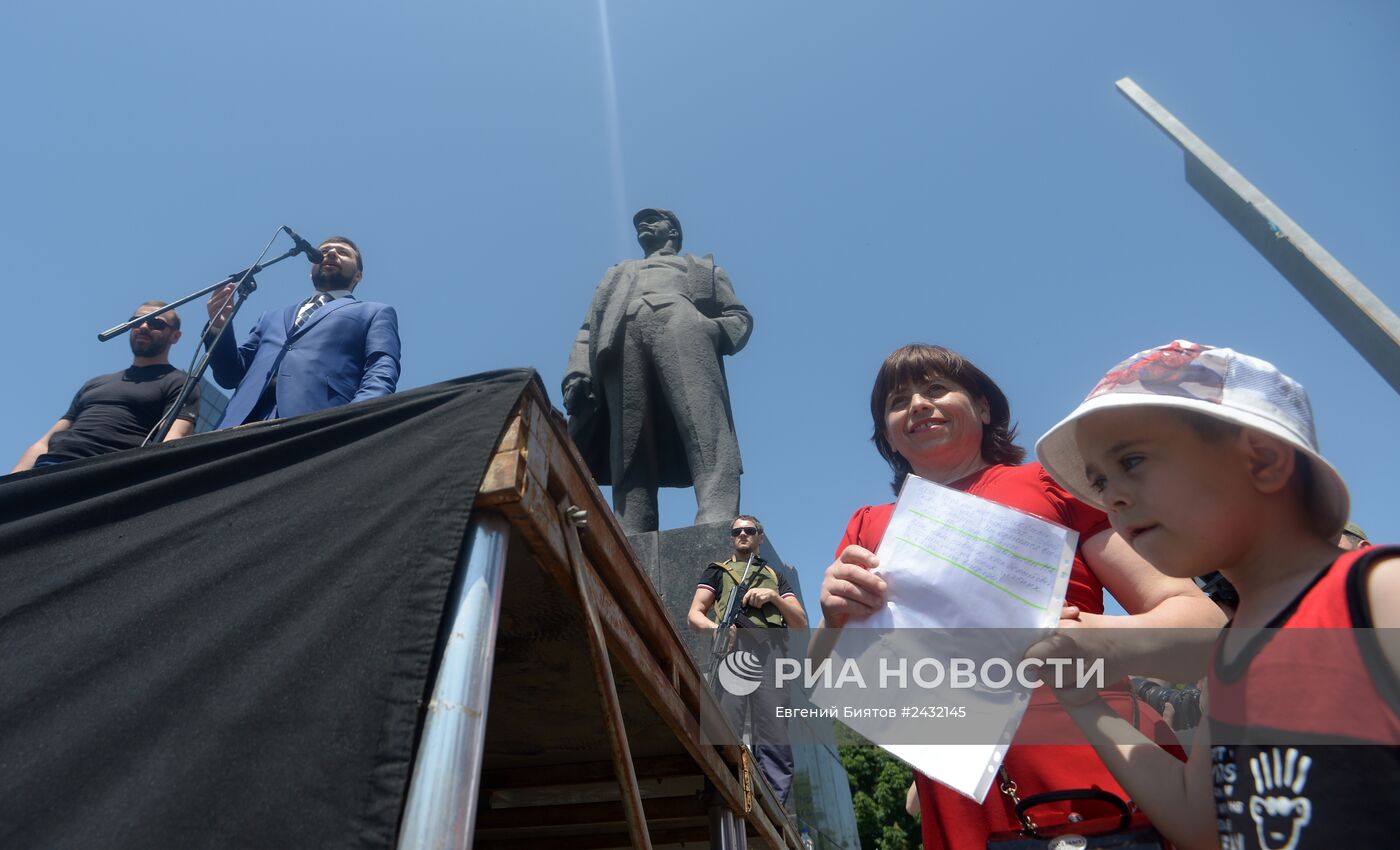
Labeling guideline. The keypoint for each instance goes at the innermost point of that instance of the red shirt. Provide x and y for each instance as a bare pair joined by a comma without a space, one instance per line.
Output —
951,820
1026,488
1305,722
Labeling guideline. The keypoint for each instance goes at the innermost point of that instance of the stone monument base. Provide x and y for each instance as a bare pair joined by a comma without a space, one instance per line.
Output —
820,797
674,560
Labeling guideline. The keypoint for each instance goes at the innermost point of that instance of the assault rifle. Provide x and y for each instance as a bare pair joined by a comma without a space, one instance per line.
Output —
732,612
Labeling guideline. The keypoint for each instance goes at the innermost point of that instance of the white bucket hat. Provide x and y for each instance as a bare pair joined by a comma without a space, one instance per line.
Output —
1218,382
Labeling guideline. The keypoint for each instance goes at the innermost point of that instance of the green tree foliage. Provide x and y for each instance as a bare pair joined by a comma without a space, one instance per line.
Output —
879,783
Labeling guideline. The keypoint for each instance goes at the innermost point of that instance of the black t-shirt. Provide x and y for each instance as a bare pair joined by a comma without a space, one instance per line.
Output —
117,411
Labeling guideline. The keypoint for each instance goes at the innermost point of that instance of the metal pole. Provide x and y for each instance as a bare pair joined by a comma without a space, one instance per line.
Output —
440,813
726,827
1353,310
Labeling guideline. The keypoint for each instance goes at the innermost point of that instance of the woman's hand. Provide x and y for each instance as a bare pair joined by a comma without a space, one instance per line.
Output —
849,588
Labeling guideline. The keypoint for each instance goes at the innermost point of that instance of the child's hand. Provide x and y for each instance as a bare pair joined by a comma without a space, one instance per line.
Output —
1071,641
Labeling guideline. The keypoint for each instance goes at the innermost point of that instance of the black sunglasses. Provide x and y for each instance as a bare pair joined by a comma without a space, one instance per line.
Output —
744,529
155,324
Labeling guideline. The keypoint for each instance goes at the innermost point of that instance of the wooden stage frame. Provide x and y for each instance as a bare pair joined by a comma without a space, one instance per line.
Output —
538,483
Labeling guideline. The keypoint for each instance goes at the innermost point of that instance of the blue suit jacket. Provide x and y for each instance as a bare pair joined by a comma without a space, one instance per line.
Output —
348,350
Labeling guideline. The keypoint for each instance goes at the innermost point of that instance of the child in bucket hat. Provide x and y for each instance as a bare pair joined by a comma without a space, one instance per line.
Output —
1206,459
1234,389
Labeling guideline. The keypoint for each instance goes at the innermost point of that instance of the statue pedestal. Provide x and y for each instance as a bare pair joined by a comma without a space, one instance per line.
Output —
821,796
675,560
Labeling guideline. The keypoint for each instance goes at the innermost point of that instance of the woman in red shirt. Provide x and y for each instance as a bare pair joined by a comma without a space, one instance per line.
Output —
937,415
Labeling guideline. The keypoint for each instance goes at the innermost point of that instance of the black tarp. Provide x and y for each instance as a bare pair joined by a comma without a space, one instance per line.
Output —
225,641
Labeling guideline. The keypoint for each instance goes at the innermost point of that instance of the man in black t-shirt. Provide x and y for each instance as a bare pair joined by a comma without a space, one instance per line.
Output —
768,603
117,411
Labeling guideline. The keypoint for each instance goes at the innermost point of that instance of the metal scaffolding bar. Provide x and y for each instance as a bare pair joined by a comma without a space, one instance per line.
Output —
441,809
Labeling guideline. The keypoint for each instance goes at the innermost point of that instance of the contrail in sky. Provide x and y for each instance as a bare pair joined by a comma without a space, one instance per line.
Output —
614,128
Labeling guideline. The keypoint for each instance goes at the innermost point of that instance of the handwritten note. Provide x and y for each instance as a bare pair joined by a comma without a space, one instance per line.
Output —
953,560
957,561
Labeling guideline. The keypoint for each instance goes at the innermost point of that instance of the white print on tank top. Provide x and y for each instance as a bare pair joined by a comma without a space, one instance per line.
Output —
1278,807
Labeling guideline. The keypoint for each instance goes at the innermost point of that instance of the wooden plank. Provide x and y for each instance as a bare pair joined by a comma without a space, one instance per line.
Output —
529,511
503,478
657,767
584,814
568,475
689,836
511,438
606,546
633,653
720,764
646,644
651,788
607,687
537,454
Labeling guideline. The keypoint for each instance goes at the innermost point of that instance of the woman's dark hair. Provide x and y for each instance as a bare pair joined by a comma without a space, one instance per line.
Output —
915,364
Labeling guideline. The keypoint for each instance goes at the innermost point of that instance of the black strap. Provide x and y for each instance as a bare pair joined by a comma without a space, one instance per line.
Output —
1125,814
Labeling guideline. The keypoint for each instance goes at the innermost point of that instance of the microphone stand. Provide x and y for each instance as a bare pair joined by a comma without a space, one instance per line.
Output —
236,277
246,285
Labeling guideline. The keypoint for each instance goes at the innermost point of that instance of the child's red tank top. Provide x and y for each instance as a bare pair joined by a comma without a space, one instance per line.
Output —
1305,723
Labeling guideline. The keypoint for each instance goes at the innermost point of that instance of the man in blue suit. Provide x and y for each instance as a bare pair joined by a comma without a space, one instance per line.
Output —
328,350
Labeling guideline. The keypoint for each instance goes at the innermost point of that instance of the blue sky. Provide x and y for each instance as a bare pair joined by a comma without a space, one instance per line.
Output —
869,175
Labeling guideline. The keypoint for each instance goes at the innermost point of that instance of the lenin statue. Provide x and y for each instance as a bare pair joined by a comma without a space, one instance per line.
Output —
645,390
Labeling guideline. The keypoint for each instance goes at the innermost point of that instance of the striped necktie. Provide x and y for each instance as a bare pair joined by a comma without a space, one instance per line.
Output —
308,307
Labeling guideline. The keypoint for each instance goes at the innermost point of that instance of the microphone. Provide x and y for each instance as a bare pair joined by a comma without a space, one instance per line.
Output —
311,251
